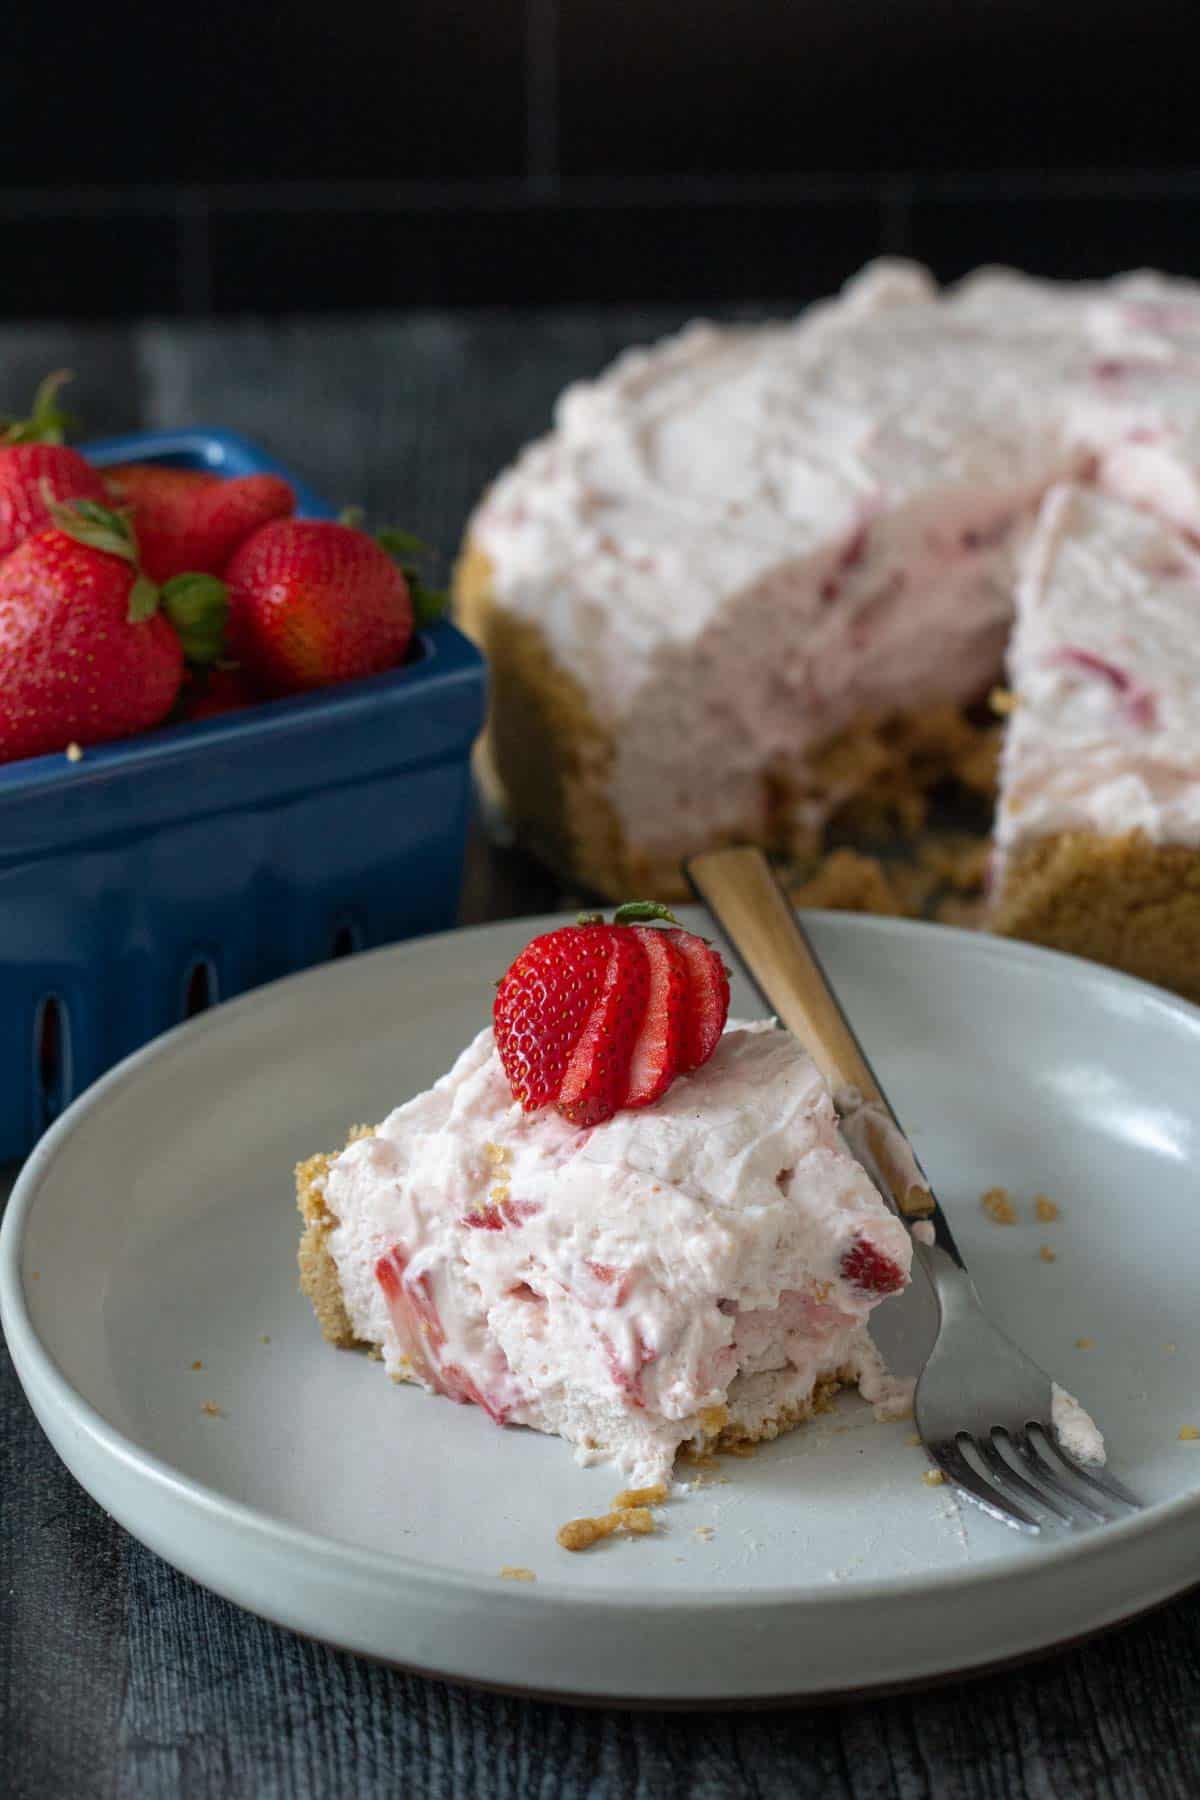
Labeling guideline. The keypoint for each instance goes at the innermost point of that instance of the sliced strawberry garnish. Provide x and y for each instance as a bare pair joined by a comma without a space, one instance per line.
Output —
658,1050
542,1006
708,998
865,1266
598,1016
596,1079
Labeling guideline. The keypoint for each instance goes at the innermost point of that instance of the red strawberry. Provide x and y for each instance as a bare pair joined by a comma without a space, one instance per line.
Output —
657,1054
85,652
186,519
596,1080
223,689
596,1017
865,1266
36,469
709,979
312,602
542,1006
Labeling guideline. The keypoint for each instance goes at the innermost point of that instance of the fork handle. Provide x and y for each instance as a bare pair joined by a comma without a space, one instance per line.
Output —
742,894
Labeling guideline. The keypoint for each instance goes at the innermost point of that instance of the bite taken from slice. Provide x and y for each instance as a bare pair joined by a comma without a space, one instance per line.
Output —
694,1268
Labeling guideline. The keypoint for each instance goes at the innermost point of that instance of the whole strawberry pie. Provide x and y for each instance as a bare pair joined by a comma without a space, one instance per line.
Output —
619,1217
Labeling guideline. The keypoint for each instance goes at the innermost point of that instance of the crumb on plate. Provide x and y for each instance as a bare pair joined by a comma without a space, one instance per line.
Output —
1189,1434
210,1409
997,1204
704,1533
628,1521
1047,1254
1044,1209
647,1496
511,1573
933,1478
1085,1343
74,752
197,1364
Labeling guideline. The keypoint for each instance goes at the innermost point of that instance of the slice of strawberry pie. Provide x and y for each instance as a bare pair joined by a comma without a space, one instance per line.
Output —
614,1219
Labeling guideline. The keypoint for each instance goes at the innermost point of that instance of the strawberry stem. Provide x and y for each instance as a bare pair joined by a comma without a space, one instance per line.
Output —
48,423
634,912
644,912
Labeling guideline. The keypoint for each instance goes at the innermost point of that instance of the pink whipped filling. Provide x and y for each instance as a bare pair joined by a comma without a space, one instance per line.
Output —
717,1253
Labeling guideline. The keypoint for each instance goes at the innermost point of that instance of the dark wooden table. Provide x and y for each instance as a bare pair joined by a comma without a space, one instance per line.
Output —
120,1677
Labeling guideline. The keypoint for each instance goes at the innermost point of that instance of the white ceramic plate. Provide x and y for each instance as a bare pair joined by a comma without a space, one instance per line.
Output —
154,1228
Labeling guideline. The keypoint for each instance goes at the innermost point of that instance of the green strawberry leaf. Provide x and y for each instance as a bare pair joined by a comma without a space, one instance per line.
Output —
399,544
428,604
143,600
198,608
48,423
405,548
99,527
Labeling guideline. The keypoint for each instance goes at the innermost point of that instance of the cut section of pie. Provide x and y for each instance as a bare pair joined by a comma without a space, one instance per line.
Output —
698,1271
1098,827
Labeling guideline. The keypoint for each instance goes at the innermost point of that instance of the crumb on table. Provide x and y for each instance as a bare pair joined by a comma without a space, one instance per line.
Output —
210,1409
1044,1209
997,1204
1047,1254
74,752
1002,701
511,1573
933,1478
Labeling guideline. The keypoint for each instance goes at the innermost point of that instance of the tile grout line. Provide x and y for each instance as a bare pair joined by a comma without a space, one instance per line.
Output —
543,183
193,257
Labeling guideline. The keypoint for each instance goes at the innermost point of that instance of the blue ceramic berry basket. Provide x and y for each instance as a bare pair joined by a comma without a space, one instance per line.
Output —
157,875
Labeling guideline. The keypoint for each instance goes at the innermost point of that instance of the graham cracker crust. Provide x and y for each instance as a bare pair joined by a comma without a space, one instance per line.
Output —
318,1271
1124,901
548,762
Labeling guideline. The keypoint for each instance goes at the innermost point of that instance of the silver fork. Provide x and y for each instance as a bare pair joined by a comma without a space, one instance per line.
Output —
983,1408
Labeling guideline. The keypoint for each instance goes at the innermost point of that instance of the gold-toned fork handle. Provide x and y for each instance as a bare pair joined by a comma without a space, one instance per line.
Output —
743,895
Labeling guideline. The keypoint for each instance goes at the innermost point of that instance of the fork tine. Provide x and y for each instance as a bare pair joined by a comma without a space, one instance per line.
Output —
1041,1466
1002,1469
1091,1476
958,1471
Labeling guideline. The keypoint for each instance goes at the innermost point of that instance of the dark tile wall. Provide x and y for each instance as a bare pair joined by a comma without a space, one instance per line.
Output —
310,156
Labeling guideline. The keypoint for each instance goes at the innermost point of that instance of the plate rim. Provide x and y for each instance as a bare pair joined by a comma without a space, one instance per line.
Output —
34,1361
